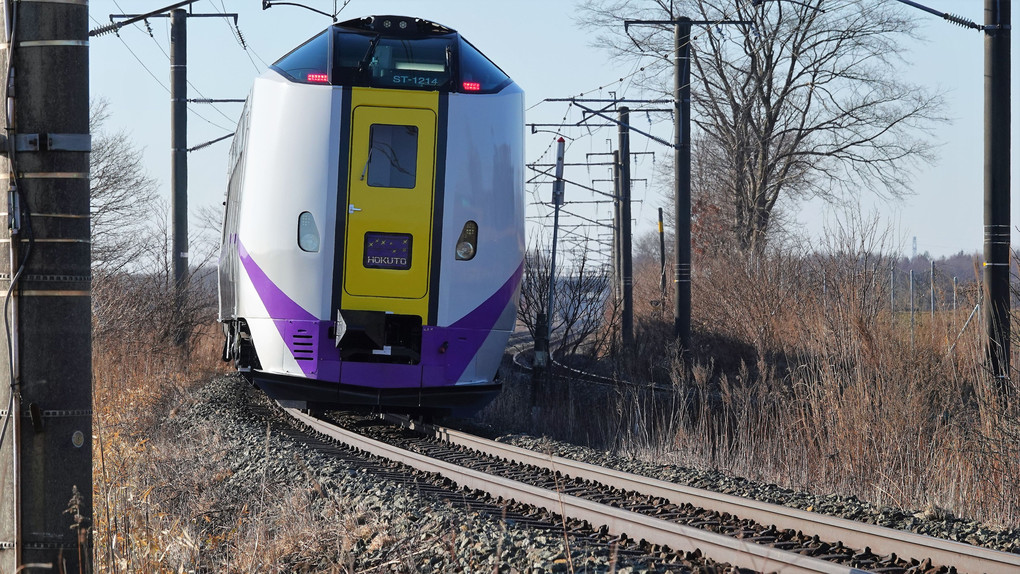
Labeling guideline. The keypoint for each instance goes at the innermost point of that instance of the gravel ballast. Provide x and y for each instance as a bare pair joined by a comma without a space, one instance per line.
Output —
352,519
368,522
934,523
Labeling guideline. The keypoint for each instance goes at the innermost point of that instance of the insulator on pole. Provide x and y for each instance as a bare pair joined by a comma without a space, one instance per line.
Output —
103,30
961,21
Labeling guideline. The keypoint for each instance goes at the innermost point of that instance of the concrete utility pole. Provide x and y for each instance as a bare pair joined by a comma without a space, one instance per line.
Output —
682,166
617,243
622,280
178,134
682,175
997,181
179,156
626,260
997,224
46,393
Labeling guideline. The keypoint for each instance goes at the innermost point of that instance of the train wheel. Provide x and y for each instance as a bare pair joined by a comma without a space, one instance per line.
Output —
243,352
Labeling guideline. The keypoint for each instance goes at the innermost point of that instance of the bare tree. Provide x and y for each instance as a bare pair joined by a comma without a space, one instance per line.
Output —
854,262
805,102
122,195
534,297
581,300
582,296
137,304
131,266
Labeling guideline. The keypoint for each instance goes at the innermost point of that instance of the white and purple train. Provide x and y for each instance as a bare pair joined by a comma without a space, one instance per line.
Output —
373,237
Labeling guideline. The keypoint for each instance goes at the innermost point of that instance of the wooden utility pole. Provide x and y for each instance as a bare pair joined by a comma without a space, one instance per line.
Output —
46,380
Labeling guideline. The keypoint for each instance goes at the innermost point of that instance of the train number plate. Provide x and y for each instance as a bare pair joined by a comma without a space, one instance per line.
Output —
387,250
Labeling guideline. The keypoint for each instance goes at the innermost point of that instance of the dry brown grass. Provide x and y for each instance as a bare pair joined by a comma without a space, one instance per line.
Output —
801,374
135,384
816,386
171,496
164,497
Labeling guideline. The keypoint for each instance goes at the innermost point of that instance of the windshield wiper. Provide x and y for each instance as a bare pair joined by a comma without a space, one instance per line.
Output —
368,54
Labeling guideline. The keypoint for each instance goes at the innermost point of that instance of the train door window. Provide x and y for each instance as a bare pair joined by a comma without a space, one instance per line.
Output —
392,156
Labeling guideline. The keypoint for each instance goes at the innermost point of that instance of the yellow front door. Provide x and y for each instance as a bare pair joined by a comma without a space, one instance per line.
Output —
391,189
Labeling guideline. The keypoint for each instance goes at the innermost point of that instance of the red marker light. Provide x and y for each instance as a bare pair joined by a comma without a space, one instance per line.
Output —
322,78
472,86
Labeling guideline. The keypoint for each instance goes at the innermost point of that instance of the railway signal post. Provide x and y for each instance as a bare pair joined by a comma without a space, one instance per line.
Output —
557,197
46,448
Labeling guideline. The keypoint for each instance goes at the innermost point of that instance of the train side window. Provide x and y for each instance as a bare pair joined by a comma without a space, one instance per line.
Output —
392,156
477,73
309,62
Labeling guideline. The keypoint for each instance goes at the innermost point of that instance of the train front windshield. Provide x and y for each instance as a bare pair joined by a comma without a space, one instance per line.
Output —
438,62
379,62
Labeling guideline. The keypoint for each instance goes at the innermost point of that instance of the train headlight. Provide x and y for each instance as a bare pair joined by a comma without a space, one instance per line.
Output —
465,251
467,243
308,232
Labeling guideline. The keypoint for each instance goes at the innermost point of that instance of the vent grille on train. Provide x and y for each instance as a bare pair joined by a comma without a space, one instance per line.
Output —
302,343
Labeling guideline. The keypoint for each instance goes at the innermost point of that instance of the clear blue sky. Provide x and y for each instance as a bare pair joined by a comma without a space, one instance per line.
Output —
540,46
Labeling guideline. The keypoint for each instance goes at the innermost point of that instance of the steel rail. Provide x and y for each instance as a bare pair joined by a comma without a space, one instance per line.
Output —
635,526
965,557
578,375
518,345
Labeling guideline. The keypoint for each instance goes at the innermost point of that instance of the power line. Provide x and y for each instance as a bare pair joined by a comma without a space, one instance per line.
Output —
236,31
192,86
167,56
160,82
132,52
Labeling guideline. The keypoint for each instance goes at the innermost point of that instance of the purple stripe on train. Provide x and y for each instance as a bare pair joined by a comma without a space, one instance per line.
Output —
482,318
278,305
464,337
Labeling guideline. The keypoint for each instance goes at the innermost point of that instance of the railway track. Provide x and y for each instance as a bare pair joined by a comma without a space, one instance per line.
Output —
521,343
748,534
354,450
